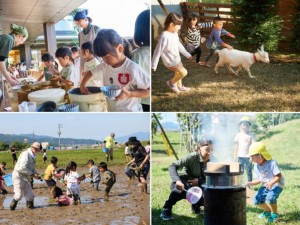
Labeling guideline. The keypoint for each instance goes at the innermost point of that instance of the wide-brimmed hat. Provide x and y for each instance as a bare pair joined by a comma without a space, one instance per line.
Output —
36,145
259,148
132,140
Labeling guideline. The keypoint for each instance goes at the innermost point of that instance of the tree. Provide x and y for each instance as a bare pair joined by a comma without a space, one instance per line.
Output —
154,124
257,23
4,146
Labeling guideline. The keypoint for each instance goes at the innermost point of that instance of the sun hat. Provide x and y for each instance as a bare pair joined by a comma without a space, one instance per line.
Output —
36,145
259,148
132,140
245,119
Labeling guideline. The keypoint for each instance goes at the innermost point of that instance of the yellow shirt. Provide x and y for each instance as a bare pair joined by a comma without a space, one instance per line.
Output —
109,142
49,172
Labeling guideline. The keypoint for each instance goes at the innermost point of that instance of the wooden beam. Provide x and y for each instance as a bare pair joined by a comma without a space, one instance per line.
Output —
163,7
50,38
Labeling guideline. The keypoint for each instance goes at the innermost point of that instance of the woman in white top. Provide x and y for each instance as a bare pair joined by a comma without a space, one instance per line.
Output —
168,48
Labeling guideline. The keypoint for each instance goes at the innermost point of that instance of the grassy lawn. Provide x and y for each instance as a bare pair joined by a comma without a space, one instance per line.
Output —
79,156
283,143
275,88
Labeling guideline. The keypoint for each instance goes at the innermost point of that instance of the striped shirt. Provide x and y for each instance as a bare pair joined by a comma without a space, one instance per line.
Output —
194,34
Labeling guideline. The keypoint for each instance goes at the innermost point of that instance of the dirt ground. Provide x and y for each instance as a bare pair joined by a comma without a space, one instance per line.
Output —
126,205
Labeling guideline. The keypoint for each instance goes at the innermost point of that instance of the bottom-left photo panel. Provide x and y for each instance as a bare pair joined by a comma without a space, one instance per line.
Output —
75,168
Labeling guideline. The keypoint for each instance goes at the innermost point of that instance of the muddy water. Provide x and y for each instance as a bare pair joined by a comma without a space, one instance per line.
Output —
126,205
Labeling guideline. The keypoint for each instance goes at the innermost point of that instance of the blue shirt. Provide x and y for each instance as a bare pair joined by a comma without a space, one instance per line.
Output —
214,39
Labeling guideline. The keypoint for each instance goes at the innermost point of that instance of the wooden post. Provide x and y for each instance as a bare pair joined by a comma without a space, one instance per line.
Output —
165,135
50,38
163,7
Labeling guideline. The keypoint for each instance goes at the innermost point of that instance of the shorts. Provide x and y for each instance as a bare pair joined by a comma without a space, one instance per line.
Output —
265,195
50,183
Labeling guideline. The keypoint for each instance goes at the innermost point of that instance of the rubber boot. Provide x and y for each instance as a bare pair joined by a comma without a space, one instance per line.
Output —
106,158
13,204
111,158
29,204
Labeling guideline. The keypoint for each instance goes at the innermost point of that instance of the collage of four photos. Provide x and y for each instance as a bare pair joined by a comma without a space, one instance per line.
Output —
149,112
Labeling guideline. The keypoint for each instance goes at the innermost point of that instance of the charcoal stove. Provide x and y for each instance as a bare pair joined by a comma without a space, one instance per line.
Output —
224,195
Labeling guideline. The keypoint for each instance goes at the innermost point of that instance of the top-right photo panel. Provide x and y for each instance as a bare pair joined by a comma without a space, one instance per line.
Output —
225,55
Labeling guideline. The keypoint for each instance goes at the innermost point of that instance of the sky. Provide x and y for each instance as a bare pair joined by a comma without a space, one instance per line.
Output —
119,15
75,125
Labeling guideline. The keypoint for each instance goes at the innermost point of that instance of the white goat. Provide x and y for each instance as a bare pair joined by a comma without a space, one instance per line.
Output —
240,59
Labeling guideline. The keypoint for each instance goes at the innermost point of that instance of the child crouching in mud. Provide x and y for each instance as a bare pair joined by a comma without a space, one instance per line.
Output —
108,178
63,200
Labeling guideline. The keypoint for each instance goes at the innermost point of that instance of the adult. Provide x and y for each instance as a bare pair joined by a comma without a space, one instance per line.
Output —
141,161
141,55
14,154
193,166
23,174
109,143
17,37
88,33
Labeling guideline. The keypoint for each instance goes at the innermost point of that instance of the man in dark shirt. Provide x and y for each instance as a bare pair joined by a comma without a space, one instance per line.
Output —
193,166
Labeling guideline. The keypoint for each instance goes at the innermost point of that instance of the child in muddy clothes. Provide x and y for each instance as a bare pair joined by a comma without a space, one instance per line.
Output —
72,180
50,172
108,178
63,200
2,168
94,173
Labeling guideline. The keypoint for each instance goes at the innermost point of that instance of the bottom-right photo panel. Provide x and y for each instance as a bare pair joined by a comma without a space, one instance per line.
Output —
225,168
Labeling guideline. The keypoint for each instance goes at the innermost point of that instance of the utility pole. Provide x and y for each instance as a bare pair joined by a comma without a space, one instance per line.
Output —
32,136
59,133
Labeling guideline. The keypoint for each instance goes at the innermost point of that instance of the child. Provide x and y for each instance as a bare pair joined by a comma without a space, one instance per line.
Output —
72,180
62,199
194,37
242,142
127,152
94,173
50,67
76,57
118,70
44,156
14,154
108,178
213,41
169,47
2,168
141,55
50,172
91,61
266,172
67,74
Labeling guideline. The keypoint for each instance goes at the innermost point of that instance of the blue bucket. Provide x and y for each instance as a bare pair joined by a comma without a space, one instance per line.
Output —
105,150
8,179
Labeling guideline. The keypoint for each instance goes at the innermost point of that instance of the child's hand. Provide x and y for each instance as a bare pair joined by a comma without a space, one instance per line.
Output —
193,182
191,58
269,185
124,94
154,70
179,185
203,39
84,90
229,47
232,36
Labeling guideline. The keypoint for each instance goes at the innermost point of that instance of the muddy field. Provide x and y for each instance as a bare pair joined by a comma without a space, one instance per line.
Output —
126,205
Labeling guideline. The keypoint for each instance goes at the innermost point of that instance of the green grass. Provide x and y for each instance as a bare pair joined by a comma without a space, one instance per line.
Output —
283,143
275,88
79,156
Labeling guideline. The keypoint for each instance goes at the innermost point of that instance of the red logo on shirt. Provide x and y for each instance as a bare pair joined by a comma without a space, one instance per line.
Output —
123,78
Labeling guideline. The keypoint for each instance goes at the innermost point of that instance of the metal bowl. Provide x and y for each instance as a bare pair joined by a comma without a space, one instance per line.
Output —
111,91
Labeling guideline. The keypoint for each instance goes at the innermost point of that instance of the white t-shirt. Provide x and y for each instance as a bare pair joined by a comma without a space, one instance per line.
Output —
89,66
267,172
168,48
127,150
128,75
141,56
77,71
68,73
243,140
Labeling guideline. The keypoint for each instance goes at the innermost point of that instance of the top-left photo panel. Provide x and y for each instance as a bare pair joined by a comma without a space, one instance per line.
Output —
75,56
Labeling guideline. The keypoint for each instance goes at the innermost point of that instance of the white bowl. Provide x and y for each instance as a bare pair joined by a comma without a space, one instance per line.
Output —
56,95
111,91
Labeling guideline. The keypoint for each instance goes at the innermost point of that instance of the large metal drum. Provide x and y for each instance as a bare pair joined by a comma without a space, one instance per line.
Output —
224,195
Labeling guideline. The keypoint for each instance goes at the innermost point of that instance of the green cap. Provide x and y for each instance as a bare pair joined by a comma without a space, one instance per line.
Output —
16,29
